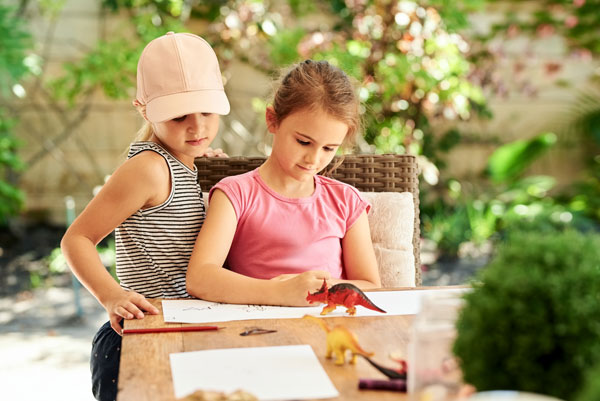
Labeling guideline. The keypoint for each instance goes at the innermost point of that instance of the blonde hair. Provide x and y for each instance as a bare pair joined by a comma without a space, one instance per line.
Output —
145,133
318,84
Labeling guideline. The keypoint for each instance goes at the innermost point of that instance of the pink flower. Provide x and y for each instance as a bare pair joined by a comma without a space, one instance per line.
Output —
571,21
545,30
578,3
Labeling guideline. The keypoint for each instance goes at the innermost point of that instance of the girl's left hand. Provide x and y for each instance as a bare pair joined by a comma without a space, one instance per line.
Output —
218,152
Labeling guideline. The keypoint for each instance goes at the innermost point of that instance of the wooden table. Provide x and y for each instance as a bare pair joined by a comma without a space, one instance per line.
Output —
145,372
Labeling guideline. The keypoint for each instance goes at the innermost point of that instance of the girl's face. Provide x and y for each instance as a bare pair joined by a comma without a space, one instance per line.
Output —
305,142
188,136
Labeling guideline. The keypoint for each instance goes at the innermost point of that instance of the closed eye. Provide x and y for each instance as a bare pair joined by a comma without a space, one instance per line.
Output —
329,149
180,119
303,143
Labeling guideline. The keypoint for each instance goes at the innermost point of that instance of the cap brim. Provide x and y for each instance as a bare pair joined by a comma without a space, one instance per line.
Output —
167,107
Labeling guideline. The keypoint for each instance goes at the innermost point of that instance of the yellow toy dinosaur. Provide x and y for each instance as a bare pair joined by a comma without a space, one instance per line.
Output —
339,340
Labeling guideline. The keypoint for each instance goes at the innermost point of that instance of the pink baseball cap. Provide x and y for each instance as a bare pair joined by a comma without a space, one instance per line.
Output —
178,74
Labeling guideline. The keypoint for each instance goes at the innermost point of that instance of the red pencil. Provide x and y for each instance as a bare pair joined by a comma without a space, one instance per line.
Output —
170,329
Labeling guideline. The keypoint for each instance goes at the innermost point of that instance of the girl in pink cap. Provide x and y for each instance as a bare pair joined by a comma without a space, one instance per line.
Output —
153,201
282,229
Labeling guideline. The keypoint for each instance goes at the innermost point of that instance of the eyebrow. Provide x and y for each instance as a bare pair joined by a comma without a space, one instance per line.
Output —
308,137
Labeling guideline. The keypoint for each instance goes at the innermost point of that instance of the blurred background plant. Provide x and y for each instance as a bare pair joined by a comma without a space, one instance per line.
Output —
15,43
590,390
532,315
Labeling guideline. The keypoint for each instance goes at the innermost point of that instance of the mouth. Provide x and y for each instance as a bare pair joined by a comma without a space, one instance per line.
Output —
306,169
196,142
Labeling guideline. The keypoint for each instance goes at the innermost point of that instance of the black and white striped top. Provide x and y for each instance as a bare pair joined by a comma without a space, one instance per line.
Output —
153,246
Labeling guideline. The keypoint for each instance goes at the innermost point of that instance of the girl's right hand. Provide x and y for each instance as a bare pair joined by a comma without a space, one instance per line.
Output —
295,287
127,305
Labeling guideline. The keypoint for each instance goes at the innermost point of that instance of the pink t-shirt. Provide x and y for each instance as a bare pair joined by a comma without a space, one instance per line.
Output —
278,235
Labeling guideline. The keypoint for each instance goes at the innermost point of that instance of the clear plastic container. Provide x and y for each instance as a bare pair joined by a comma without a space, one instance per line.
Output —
433,372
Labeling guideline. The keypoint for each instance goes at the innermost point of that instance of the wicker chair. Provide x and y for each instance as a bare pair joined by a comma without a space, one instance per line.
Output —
368,173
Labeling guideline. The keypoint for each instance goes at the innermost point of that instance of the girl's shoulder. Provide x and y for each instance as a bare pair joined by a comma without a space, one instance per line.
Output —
332,185
139,147
239,181
147,167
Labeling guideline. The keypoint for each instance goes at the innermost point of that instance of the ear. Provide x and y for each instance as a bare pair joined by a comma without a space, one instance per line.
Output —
271,119
141,108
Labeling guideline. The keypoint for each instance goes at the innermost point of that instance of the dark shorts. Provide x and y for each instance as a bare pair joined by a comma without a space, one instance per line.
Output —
104,363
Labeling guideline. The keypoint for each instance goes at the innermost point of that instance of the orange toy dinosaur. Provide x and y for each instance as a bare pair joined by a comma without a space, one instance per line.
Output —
339,340
344,294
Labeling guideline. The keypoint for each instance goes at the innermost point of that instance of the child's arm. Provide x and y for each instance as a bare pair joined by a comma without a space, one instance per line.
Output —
360,263
132,186
207,279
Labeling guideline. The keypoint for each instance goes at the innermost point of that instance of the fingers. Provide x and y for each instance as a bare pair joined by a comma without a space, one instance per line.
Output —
218,152
115,324
148,307
130,305
123,312
134,311
137,303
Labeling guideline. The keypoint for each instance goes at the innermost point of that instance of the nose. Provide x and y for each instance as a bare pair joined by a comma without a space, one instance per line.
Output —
196,122
311,157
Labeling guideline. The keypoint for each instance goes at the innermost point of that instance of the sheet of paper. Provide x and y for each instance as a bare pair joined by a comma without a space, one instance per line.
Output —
291,372
197,311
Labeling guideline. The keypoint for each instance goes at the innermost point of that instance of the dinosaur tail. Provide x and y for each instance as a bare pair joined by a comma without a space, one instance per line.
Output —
390,373
367,303
319,321
357,348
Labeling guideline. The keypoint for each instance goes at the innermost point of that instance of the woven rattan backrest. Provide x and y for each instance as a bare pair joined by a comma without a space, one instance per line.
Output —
368,173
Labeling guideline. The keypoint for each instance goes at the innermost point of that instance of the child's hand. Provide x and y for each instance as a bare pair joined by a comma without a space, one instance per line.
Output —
127,305
218,152
295,287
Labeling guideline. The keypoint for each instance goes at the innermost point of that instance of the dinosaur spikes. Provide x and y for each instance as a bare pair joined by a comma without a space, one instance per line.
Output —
324,286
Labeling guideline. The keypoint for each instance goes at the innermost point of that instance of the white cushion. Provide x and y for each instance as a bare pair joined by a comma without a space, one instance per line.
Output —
391,220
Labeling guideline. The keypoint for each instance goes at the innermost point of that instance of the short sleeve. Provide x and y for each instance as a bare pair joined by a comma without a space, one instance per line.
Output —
232,190
356,205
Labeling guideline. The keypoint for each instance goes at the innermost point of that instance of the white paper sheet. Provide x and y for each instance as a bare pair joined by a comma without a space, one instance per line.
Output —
198,311
290,372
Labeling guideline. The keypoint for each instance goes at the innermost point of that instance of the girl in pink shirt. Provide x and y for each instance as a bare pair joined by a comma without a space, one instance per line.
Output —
281,229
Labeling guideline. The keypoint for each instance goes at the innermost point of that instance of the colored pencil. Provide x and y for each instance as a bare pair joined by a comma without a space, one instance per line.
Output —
170,329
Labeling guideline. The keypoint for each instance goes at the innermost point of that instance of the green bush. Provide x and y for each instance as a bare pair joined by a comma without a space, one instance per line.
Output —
532,322
591,386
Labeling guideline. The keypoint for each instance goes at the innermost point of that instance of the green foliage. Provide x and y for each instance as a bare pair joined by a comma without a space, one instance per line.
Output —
108,256
57,263
111,66
14,44
283,46
504,201
575,20
509,161
532,322
583,122
591,385
410,65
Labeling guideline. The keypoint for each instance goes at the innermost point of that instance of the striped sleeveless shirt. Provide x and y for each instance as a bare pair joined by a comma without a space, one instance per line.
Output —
154,245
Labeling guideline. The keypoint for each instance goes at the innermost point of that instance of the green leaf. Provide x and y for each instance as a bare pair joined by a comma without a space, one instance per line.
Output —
510,161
